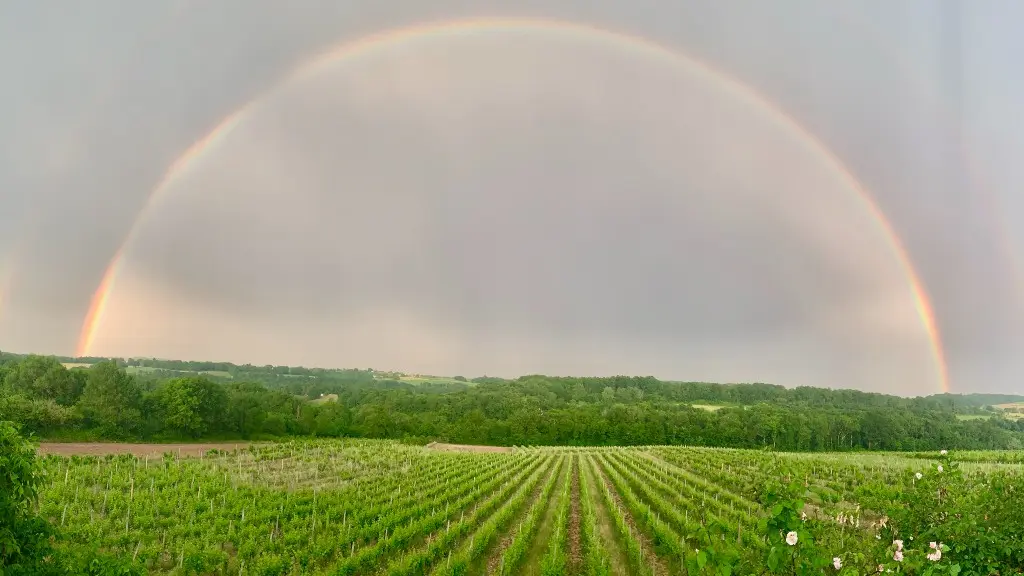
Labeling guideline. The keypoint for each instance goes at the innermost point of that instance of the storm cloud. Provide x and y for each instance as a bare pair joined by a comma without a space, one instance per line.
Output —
517,201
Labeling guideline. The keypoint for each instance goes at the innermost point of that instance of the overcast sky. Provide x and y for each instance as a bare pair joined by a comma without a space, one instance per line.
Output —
522,199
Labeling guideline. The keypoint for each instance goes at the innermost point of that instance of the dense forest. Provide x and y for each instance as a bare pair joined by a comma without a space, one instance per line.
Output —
134,399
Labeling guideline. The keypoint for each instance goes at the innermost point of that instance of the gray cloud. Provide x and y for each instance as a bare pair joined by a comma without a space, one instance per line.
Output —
491,192
471,205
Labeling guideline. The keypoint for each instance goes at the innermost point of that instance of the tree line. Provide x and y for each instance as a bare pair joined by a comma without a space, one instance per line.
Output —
102,400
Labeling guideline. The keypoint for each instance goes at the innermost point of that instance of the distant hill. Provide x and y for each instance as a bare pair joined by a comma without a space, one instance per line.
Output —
314,382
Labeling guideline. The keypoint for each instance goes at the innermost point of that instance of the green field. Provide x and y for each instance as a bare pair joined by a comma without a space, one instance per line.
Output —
381,507
973,416
149,369
325,398
432,380
707,407
1013,410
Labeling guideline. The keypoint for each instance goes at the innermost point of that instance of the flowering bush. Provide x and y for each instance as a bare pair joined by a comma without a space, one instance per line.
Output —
978,516
821,543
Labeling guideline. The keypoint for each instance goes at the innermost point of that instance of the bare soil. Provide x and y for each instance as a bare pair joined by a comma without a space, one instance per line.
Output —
605,525
494,561
466,448
542,536
575,546
645,541
104,448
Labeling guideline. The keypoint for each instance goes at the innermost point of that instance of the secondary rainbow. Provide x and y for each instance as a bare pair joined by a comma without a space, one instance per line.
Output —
640,46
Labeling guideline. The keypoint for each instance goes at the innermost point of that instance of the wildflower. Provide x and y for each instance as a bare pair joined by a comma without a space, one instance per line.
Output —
791,538
898,544
932,545
878,536
898,556
935,556
943,452
940,467
837,562
881,567
919,475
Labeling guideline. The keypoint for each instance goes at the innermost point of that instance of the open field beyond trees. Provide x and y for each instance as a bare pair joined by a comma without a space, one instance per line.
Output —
382,507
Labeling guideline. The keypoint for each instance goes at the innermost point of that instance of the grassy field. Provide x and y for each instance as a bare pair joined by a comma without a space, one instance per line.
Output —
149,369
381,507
708,407
1013,410
973,416
325,398
431,380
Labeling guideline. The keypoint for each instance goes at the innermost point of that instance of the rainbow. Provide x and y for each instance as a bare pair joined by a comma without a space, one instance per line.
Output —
441,30
6,275
990,201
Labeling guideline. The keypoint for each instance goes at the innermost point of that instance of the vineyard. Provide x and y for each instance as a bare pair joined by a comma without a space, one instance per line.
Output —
381,507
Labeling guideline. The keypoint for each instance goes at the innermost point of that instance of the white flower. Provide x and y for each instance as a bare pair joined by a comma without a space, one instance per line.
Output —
933,545
881,567
898,556
940,467
791,538
898,544
878,536
943,452
919,475
935,556
837,562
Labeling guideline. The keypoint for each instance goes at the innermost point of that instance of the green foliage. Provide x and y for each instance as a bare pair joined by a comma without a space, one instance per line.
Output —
192,406
792,544
367,506
190,400
111,400
87,561
977,518
24,536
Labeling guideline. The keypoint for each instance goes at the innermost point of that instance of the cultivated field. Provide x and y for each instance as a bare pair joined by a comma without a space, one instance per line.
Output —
104,448
380,507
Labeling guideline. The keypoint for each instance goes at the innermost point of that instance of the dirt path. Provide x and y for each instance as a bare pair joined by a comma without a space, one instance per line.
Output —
490,562
646,544
575,564
440,446
104,448
606,528
539,543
